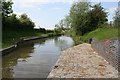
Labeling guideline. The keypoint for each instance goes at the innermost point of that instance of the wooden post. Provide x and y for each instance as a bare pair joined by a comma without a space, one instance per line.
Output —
110,24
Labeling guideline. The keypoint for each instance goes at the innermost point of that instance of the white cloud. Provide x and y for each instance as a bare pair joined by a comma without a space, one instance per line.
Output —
57,8
34,3
39,8
111,11
18,13
104,0
24,5
50,1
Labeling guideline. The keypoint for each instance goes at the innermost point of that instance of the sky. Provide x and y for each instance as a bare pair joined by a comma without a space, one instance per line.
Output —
47,13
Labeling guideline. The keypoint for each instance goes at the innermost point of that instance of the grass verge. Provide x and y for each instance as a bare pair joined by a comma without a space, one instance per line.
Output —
99,34
10,37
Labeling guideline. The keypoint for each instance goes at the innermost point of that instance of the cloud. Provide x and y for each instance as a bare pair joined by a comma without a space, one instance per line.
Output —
50,1
18,13
111,11
24,5
35,3
57,8
39,8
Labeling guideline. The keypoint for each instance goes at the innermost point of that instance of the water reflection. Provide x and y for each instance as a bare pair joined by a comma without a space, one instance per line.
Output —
11,60
64,42
34,59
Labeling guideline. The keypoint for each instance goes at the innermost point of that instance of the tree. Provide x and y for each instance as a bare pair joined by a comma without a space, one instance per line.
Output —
26,23
24,17
6,11
78,16
7,8
67,22
0,7
62,24
98,16
57,28
116,19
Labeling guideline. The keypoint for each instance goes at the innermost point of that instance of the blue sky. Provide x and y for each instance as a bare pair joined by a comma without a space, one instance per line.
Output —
47,13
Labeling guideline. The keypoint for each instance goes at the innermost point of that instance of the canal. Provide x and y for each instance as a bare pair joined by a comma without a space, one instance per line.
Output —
34,59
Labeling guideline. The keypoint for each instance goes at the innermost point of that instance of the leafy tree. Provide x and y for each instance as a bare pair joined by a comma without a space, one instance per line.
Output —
57,28
116,19
97,17
6,11
78,16
26,23
67,22
61,24
7,8
0,7
24,17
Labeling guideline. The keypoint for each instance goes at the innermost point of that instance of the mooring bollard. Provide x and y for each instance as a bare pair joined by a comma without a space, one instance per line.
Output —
90,40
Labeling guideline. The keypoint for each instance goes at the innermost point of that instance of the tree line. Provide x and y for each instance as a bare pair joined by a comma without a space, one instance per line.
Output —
84,17
10,21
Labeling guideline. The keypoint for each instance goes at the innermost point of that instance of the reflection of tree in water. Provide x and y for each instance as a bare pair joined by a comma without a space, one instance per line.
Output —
64,42
19,55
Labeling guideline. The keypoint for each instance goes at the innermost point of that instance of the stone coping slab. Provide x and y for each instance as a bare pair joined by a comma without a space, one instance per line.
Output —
82,61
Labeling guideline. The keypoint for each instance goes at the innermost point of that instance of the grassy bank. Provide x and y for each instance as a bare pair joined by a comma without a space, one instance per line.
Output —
99,34
10,37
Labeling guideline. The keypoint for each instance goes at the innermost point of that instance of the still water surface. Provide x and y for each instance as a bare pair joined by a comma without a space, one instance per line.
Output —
34,59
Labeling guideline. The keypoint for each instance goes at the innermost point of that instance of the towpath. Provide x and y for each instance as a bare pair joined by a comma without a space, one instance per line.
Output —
82,61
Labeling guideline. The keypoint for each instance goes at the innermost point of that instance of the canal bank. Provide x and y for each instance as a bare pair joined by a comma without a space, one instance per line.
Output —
82,61
22,40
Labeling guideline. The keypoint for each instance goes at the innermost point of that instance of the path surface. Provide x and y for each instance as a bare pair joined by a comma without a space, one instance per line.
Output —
82,62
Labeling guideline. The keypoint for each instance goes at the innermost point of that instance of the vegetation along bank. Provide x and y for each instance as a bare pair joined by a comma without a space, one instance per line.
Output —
14,28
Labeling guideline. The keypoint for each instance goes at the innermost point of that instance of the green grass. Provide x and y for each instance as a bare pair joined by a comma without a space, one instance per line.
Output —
99,34
10,37
102,33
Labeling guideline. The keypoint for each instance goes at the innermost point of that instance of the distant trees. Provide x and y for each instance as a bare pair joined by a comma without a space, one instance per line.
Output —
57,28
83,18
60,26
40,30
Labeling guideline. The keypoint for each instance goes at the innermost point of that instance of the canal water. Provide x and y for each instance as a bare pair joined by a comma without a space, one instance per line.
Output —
34,59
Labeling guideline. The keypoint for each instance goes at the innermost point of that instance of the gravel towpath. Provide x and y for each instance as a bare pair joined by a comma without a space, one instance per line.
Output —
82,61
